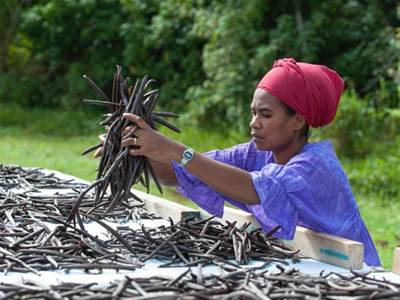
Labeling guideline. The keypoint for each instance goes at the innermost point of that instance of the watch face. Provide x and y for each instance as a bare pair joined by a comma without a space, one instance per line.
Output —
187,155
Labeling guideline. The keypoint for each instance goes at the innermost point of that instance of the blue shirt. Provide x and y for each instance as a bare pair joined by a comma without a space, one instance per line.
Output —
311,190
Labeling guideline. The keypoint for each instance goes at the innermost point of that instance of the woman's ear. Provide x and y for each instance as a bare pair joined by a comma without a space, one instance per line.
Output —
299,121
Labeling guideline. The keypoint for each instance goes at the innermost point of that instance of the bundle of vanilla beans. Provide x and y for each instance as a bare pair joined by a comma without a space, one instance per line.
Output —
117,170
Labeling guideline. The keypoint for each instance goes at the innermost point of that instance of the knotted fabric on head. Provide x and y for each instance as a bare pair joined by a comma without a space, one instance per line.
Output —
313,91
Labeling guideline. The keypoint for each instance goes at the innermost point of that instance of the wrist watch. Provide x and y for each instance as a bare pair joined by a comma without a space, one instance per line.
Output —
187,156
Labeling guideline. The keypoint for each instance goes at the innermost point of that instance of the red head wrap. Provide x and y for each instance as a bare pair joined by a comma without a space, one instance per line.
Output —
313,91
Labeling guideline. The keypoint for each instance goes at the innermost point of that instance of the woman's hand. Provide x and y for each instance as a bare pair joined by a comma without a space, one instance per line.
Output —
148,142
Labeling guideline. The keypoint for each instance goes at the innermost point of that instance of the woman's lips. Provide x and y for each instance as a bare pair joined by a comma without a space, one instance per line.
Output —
256,138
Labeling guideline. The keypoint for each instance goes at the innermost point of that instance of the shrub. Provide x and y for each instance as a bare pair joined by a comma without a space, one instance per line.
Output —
377,175
358,127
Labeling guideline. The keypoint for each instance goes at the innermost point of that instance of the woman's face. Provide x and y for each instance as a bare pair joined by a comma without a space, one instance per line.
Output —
271,127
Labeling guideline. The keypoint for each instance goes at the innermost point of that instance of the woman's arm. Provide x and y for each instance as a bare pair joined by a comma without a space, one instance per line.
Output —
227,180
164,172
230,181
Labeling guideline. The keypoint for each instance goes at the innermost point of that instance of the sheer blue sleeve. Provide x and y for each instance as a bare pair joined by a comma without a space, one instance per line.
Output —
241,156
280,190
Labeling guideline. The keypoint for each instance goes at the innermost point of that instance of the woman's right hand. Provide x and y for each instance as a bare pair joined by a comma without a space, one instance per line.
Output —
163,170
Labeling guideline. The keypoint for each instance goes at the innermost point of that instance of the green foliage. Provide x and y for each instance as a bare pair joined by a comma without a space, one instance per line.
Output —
383,226
158,41
10,15
224,96
353,37
27,93
377,176
361,50
357,127
69,39
207,56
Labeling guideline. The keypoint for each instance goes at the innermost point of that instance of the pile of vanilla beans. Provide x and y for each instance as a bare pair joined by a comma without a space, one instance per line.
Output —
117,170
13,176
32,189
34,236
241,284
193,242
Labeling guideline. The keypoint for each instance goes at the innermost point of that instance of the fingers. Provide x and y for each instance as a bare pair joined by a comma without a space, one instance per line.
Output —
136,119
126,130
136,152
98,152
129,131
102,137
132,141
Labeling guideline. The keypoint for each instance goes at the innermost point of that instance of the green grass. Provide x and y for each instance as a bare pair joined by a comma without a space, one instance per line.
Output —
59,144
383,224
49,122
58,153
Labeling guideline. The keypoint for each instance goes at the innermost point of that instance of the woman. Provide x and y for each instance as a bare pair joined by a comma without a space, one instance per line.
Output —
278,176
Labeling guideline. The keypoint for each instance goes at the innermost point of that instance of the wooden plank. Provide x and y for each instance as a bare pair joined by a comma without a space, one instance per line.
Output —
328,248
319,246
396,261
166,208
234,215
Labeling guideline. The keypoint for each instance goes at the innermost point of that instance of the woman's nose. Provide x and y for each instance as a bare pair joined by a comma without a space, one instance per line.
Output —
254,123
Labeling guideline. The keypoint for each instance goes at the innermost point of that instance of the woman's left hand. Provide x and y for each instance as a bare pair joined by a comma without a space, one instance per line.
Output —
149,142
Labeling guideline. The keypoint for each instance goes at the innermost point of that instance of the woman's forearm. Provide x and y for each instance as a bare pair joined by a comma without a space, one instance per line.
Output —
227,180
164,172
